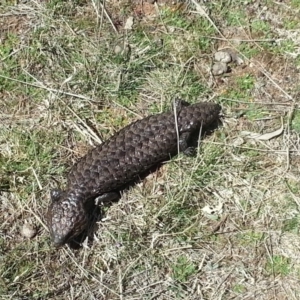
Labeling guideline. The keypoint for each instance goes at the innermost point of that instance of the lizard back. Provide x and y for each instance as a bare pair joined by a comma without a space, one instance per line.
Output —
136,148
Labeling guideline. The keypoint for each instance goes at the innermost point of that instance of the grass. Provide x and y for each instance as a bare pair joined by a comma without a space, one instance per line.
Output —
278,265
68,69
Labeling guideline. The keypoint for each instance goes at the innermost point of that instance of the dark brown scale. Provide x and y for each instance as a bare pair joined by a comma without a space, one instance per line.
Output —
119,160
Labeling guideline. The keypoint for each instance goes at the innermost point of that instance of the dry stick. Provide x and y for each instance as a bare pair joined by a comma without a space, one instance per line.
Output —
39,219
36,178
288,151
130,266
107,16
250,148
176,125
11,54
90,131
178,249
99,17
240,40
97,12
151,284
222,282
292,194
47,88
97,139
159,14
265,103
182,69
127,109
120,284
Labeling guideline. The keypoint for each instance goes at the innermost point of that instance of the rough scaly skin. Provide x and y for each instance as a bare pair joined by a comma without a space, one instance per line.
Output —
119,160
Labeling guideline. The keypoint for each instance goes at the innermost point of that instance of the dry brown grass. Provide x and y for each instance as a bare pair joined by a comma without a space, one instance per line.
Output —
68,67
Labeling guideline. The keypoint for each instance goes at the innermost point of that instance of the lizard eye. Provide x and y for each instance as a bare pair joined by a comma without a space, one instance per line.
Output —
55,194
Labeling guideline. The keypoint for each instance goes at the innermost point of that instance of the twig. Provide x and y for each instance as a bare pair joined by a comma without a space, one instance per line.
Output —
36,178
89,130
250,148
240,40
107,15
47,88
176,125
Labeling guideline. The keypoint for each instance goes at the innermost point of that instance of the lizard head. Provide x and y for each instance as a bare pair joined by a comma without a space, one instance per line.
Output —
66,217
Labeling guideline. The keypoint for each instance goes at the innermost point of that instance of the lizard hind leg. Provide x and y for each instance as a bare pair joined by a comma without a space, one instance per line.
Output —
184,137
183,144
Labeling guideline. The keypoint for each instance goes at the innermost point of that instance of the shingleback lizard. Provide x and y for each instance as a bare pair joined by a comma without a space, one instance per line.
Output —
119,160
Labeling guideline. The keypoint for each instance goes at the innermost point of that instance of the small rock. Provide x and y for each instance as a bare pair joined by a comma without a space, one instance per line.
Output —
171,29
238,142
238,60
219,68
28,231
234,56
228,55
158,42
118,49
122,50
223,56
129,23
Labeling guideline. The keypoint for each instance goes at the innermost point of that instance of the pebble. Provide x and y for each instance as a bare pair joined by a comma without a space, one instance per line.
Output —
228,55
28,231
219,68
118,49
223,56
